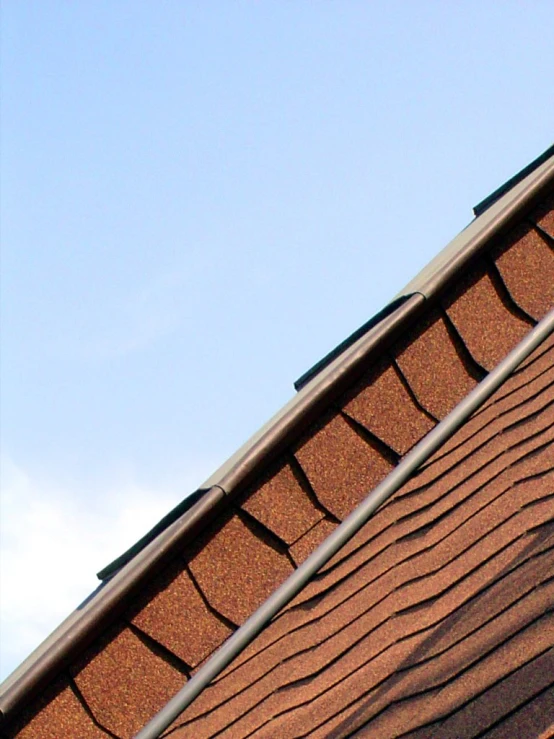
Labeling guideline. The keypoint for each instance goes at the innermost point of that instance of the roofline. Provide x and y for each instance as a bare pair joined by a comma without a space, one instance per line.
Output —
111,598
339,537
478,210
498,217
482,206
344,345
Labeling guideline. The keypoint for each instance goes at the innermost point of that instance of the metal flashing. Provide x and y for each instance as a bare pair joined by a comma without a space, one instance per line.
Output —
180,509
80,628
497,218
482,206
354,336
430,443
492,214
346,364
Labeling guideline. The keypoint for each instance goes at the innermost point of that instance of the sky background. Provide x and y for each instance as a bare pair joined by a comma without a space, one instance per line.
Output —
199,201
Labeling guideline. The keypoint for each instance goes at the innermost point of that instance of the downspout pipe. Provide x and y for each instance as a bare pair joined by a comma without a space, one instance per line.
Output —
347,529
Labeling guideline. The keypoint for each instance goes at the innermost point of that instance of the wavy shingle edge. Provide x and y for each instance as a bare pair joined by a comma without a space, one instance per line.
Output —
271,442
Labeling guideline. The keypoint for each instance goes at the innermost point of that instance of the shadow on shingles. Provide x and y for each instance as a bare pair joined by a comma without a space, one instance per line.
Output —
31,711
365,714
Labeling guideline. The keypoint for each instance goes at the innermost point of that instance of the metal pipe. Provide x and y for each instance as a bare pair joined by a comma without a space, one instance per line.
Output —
343,533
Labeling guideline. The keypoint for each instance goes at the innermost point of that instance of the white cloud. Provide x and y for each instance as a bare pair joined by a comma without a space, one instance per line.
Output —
51,547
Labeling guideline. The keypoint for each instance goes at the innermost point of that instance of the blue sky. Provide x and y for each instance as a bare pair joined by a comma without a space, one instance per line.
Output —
198,201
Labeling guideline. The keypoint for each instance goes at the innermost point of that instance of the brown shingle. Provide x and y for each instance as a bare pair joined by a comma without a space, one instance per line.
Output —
523,402
341,466
417,516
504,461
359,603
173,613
496,702
541,365
433,366
388,693
373,691
534,719
58,714
547,344
124,682
473,566
376,635
420,709
281,503
384,406
311,540
526,265
488,328
543,216
237,569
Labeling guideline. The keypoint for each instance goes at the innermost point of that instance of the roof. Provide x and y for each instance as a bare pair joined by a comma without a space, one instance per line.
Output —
415,591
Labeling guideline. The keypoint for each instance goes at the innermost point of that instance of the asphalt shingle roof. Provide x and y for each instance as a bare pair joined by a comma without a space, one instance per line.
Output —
436,619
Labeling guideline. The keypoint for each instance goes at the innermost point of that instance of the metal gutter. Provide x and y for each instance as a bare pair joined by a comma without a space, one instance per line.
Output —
343,533
502,206
78,631
354,336
475,237
171,534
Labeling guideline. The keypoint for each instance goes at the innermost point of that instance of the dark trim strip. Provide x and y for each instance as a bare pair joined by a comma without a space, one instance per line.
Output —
109,601
318,395
512,182
180,509
443,274
445,267
344,345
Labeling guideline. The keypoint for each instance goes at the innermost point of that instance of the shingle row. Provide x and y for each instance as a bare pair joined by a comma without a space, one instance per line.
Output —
415,613
195,603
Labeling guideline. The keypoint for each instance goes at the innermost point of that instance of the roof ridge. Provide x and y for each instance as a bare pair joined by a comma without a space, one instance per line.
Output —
430,443
186,521
486,203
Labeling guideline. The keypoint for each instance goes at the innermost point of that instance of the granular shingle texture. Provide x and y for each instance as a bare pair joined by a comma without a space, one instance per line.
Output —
59,715
383,404
534,719
282,503
302,548
124,682
434,366
236,569
487,326
173,613
543,216
435,620
342,467
526,264
438,602
519,688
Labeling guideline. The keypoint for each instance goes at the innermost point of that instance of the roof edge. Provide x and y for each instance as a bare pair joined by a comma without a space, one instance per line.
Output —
497,218
239,640
462,248
80,628
482,206
105,603
111,598
344,345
